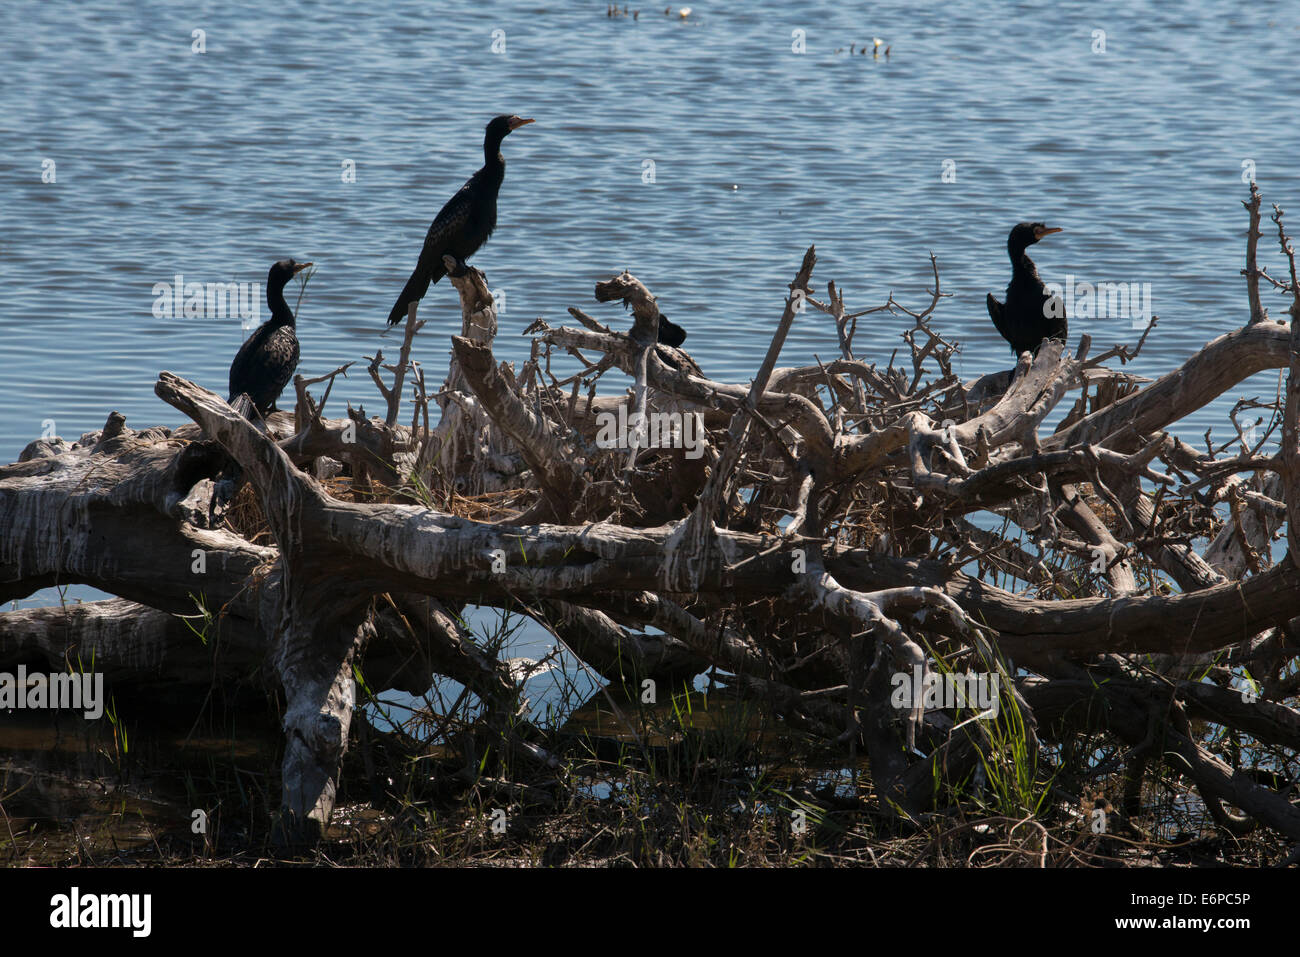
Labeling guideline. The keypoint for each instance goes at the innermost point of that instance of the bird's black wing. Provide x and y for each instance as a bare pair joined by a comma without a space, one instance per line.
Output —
264,365
1060,328
670,334
448,226
242,367
996,314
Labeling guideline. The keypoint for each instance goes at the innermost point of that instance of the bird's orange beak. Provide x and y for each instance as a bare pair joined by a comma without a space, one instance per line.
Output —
1047,231
516,122
299,267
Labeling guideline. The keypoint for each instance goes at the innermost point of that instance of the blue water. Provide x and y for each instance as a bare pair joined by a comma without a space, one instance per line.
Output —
215,164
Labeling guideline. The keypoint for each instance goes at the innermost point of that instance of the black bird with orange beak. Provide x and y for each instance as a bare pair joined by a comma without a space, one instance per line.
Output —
465,222
268,357
1029,315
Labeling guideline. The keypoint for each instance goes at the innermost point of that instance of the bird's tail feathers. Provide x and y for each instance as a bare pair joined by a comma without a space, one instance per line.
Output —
413,291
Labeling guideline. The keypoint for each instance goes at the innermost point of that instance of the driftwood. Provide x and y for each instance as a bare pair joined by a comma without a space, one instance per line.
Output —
839,525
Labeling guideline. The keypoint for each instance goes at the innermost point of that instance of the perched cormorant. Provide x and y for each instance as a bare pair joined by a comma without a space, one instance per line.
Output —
266,360
670,334
465,222
1025,320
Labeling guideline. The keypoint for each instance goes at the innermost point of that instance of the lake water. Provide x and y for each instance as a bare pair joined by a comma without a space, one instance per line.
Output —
213,164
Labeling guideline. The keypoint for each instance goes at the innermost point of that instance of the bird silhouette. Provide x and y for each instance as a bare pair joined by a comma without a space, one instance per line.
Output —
466,220
1030,315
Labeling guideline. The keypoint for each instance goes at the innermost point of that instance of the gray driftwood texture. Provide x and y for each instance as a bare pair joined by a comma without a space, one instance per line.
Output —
821,542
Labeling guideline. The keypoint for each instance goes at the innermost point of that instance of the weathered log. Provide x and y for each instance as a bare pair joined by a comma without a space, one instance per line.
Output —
822,541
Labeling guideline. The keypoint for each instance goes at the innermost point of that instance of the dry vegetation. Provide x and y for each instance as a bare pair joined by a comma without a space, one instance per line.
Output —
847,521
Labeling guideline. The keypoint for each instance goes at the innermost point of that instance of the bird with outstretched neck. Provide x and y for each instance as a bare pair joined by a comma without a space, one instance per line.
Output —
266,360
465,222
1029,316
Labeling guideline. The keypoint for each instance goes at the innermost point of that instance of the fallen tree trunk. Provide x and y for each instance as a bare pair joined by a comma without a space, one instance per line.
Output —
840,524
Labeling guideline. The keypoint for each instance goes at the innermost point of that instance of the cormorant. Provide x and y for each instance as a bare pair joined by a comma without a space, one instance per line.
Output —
1024,320
670,334
266,360
465,222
